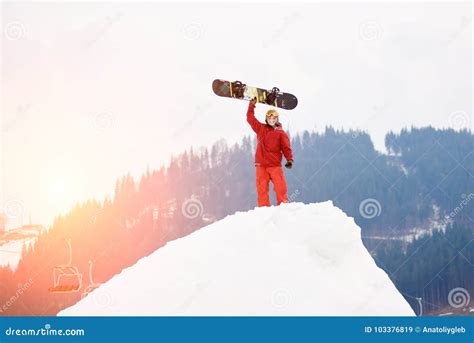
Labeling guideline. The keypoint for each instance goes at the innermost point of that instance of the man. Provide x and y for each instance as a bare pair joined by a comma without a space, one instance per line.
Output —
273,142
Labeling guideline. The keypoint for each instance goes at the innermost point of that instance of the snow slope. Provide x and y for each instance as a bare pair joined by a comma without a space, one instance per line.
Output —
293,259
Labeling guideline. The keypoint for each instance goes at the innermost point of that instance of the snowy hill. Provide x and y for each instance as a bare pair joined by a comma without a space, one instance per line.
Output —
293,259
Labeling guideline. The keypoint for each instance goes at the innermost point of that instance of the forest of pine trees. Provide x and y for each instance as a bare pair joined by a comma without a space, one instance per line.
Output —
426,175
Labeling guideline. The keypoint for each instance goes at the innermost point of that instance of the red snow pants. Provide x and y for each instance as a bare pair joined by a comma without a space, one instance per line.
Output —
264,175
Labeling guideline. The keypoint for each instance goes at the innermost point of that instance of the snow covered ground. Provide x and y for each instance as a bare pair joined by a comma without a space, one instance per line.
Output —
293,259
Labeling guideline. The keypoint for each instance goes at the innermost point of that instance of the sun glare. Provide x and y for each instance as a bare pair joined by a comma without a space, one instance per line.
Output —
63,184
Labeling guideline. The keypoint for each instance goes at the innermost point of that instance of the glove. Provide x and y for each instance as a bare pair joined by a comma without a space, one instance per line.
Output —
289,164
253,101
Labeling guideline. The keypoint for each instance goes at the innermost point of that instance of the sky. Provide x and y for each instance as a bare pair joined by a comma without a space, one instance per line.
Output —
92,91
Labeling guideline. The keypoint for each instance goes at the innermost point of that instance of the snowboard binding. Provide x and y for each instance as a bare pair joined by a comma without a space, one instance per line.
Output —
271,96
237,89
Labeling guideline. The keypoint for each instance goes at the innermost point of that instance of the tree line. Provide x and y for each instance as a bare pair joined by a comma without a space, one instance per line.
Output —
426,177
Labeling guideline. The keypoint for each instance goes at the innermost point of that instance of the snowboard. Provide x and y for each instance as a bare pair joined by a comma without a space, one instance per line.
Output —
239,90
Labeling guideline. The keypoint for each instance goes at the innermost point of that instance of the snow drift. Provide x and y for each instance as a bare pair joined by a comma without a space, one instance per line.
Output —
293,259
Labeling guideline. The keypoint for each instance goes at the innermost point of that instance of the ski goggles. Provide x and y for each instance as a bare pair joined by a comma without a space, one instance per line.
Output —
271,113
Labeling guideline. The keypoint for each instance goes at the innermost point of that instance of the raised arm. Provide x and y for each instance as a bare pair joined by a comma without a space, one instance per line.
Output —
254,123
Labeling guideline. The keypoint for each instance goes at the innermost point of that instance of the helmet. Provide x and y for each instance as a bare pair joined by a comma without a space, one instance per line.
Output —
272,112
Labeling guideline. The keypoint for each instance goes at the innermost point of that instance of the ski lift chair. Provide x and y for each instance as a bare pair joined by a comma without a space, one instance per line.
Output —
68,272
92,284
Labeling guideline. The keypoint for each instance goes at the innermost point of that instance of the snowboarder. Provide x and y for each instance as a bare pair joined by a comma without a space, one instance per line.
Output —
272,142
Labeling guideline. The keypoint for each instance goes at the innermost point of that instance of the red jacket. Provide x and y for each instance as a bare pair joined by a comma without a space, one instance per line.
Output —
271,142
